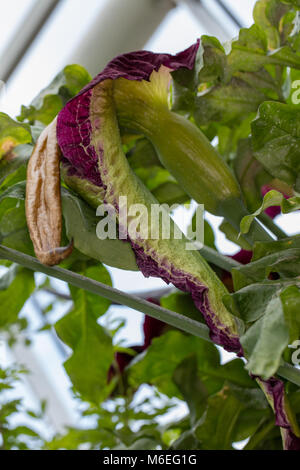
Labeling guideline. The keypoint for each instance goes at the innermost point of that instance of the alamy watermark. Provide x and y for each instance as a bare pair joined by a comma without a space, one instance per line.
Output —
296,93
295,359
151,222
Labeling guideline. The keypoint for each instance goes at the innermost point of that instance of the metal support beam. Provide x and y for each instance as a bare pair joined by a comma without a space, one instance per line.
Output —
229,13
210,23
121,26
24,37
58,414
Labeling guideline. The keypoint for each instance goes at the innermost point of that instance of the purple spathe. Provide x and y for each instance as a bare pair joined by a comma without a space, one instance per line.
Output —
73,124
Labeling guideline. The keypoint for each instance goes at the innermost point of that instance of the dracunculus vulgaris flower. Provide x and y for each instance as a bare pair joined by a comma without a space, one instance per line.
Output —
132,93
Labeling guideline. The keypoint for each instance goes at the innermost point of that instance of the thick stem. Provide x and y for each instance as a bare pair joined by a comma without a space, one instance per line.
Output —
222,261
172,318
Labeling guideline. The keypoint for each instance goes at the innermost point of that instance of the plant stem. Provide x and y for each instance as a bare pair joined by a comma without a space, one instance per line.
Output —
268,222
172,318
233,210
147,294
222,261
115,295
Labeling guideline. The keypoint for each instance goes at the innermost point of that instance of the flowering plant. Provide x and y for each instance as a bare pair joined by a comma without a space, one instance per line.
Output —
220,127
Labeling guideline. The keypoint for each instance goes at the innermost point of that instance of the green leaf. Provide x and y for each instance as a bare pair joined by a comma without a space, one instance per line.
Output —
13,225
216,428
265,341
276,140
286,262
93,304
144,443
255,411
233,235
209,236
165,354
229,136
253,300
93,354
154,176
170,193
290,298
214,61
253,398
250,52
250,174
191,387
210,66
264,81
26,431
262,249
143,155
44,113
173,346
18,191
272,198
75,438
249,49
267,15
227,103
289,29
51,100
295,3
188,79
248,423
12,133
81,224
16,286
13,170
92,346
182,303
187,440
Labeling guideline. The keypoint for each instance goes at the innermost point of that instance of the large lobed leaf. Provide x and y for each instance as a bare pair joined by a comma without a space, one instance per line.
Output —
276,140
92,346
50,101
12,133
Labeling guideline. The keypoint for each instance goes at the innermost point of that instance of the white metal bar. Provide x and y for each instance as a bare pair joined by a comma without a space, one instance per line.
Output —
121,26
210,23
25,35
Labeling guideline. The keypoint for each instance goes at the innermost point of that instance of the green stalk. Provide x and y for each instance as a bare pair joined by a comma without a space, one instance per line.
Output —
118,297
222,261
270,224
233,210
172,318
289,373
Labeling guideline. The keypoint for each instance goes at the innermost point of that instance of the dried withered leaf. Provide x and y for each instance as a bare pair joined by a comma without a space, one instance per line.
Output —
43,199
